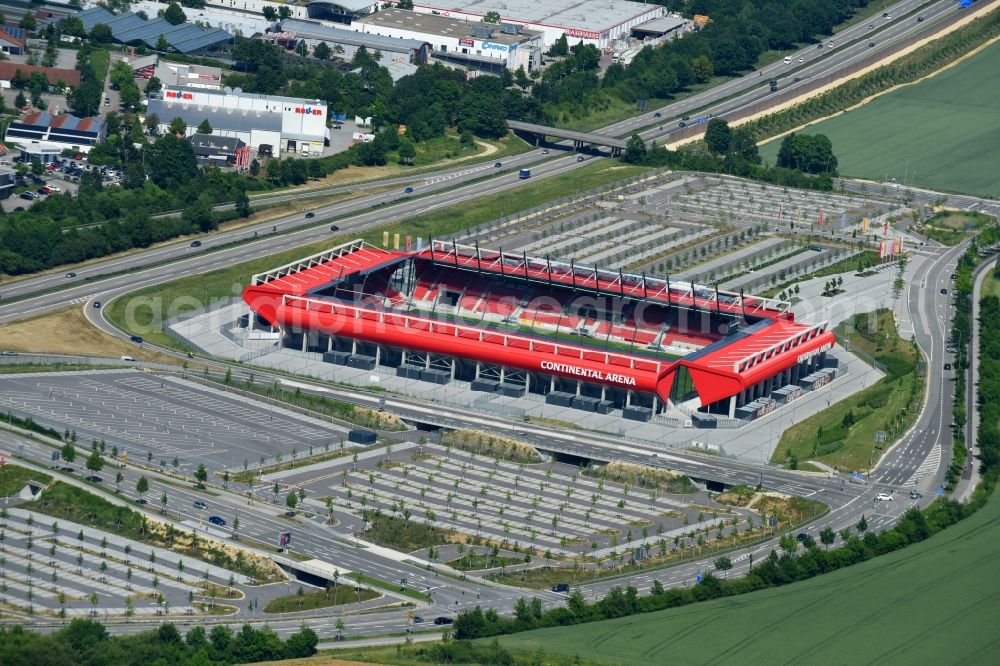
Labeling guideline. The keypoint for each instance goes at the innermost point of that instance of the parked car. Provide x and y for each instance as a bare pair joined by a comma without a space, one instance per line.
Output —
217,520
28,196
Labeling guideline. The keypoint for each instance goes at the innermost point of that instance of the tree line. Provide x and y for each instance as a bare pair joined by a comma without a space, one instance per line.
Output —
775,570
805,161
88,642
730,44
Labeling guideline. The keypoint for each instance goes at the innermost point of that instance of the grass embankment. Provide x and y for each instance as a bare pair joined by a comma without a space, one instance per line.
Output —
991,284
952,227
641,476
844,434
71,503
945,584
13,478
362,416
490,445
144,312
947,142
250,475
67,331
313,599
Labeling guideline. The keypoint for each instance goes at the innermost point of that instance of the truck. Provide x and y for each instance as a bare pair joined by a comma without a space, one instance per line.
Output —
524,173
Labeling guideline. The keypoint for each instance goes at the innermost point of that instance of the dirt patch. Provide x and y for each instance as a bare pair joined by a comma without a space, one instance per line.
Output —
67,331
490,445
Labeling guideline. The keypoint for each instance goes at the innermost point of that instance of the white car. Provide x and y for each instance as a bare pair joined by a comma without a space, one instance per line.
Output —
55,188
884,497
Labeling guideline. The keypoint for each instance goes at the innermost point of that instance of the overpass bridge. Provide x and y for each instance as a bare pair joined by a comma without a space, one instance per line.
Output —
579,139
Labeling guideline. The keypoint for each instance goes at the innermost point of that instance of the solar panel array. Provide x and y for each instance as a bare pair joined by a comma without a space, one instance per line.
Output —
129,28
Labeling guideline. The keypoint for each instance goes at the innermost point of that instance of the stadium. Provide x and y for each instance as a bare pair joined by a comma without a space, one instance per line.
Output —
580,336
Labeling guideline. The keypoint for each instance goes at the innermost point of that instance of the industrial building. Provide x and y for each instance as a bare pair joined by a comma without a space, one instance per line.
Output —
596,22
340,11
220,151
49,135
284,123
133,29
576,336
483,46
176,73
54,75
411,51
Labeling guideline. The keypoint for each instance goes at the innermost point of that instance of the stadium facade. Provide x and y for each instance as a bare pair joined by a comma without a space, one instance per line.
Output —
582,336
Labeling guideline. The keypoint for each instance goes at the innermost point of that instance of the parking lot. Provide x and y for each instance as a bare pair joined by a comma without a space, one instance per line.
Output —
59,568
545,507
163,418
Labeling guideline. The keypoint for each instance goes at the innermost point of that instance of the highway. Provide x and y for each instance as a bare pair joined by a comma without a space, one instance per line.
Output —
439,189
262,522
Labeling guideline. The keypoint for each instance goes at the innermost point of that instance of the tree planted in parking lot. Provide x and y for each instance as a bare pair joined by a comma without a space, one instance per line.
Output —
201,475
142,486
68,452
95,462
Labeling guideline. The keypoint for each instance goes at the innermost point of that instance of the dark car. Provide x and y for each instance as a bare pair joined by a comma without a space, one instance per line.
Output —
97,304
217,520
871,45
195,243
560,587
580,158
498,165
916,494
443,620
820,45
142,500
685,117
801,536
201,506
657,114
920,19
94,479
417,619
947,366
682,124
408,190
334,228
137,339
71,274
310,215
944,291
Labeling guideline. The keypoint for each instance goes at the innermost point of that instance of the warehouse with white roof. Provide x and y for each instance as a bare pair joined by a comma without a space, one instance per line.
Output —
596,22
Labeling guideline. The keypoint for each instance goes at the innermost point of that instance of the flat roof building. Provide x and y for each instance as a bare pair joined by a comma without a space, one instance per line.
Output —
404,50
596,22
282,122
483,46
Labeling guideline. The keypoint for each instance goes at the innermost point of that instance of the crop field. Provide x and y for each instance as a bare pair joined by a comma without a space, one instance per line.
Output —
940,133
933,602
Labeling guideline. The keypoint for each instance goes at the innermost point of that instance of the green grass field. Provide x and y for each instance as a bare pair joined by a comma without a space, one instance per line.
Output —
940,133
933,602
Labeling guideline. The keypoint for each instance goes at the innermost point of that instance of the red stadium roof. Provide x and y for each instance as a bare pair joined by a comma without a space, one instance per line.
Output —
721,369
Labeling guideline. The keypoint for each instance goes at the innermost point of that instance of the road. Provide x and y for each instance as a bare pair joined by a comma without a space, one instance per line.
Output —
439,189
